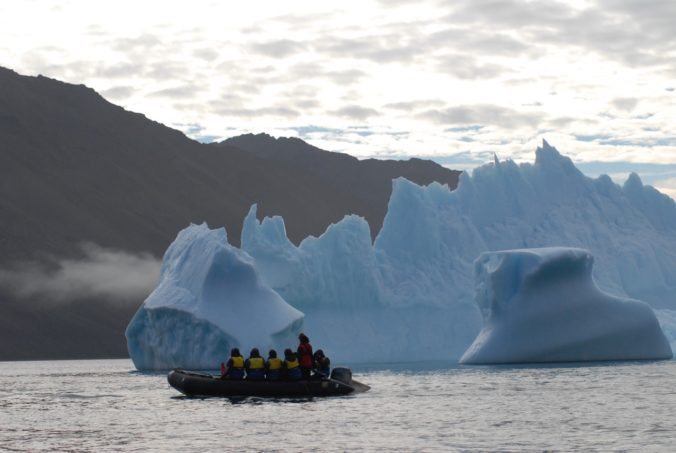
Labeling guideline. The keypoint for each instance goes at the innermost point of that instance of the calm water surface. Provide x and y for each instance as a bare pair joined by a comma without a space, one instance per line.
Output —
106,406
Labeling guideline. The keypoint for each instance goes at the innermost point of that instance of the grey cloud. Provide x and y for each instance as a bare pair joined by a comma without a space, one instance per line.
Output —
305,71
142,43
243,112
387,48
266,70
481,114
513,13
302,91
297,89
345,77
278,49
166,70
355,112
206,54
410,42
633,32
477,40
118,92
657,14
627,104
306,104
563,121
302,97
409,106
178,92
119,70
101,273
403,42
468,67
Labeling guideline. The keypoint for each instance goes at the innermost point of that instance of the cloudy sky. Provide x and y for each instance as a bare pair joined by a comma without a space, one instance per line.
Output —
455,81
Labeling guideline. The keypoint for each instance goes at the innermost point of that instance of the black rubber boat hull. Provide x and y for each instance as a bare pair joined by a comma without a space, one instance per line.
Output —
198,384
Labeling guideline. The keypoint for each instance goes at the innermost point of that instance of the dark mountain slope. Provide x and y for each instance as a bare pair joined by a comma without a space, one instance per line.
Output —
75,168
370,179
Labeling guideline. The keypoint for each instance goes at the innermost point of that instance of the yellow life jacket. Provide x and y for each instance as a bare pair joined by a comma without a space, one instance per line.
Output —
291,364
237,362
256,363
274,363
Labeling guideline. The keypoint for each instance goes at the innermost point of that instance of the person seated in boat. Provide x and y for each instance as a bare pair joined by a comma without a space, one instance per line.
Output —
255,366
322,364
305,355
273,367
291,366
234,369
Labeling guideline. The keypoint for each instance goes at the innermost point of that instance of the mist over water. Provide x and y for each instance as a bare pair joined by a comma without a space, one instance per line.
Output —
105,406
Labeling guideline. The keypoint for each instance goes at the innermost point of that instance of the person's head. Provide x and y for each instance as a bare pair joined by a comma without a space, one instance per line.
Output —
272,354
254,353
303,338
234,352
288,352
319,354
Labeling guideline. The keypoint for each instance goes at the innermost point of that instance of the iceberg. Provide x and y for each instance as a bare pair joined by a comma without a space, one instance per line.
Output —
209,299
542,305
409,295
667,319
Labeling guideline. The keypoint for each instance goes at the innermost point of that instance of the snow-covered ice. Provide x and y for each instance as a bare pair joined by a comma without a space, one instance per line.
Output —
542,305
409,295
209,299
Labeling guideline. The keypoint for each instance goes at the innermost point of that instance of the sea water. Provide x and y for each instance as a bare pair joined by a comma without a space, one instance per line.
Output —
108,406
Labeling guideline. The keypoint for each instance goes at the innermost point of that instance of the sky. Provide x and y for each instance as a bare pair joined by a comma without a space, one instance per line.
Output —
453,81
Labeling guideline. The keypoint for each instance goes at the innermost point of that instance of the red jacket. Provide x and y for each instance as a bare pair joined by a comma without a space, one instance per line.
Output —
305,355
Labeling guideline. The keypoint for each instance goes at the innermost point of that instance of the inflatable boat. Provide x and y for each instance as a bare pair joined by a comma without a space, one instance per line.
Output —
191,383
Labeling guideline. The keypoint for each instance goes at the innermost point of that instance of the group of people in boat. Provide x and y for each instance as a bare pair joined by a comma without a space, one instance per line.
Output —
302,364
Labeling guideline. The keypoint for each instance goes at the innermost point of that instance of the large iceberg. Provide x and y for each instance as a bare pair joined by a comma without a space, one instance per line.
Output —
542,305
209,299
409,295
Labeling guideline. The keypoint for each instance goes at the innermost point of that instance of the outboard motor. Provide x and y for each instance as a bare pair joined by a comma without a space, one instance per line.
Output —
343,375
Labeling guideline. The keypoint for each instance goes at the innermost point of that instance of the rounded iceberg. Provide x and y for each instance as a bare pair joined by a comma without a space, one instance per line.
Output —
542,305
